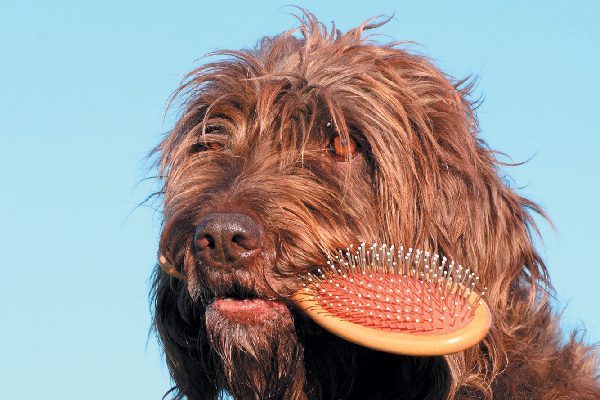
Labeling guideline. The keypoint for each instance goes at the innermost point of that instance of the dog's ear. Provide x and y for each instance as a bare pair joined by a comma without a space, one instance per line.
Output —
439,186
488,225
492,228
182,336
464,207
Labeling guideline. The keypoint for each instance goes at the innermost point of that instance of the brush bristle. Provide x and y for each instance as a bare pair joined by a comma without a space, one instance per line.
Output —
395,290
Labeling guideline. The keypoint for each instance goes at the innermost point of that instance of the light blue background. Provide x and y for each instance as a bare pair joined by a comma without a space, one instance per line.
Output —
83,88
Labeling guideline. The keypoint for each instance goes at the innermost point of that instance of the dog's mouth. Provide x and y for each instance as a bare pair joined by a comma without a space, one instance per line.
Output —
244,305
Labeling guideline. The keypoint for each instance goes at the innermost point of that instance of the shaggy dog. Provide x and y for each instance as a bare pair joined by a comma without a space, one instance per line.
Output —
313,140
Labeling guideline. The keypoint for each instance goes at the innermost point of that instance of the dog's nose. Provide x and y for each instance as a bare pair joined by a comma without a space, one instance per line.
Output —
228,239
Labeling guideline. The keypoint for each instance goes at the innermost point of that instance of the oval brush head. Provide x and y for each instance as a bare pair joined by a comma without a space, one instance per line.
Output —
386,299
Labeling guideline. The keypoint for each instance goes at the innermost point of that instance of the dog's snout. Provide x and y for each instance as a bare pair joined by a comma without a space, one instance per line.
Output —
228,239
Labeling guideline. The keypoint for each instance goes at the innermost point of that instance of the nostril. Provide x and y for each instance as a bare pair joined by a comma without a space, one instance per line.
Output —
238,239
204,242
245,242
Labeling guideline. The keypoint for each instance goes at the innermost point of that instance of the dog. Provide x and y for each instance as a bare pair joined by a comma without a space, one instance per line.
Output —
313,140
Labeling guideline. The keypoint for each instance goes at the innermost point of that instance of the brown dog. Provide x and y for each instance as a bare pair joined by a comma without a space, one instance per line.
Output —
304,145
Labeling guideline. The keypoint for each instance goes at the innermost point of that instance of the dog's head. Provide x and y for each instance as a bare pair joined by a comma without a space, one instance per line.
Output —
299,147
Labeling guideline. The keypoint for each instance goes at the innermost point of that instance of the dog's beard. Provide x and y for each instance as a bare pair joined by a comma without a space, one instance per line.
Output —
257,360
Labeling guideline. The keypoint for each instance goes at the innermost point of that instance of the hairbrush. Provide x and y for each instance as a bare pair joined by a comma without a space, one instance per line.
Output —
404,302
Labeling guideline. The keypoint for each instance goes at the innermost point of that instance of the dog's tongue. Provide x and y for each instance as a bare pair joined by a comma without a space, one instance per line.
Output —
249,310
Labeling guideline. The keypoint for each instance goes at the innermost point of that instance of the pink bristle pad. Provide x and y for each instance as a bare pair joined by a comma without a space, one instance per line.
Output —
393,302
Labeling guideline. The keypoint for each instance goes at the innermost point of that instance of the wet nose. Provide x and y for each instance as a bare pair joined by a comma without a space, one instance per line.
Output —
228,239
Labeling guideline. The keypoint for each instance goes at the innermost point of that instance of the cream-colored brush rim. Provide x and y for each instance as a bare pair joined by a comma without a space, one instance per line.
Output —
399,343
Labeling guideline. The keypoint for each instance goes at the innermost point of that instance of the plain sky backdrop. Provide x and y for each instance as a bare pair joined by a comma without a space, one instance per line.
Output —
83,88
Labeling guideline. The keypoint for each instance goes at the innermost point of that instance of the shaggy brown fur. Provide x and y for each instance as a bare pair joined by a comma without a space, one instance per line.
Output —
255,136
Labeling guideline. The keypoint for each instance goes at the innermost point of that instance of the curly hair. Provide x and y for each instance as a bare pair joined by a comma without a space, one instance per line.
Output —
253,134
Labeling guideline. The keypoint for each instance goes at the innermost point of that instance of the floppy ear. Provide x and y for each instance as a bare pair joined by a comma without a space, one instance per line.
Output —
439,187
471,215
182,336
438,184
490,227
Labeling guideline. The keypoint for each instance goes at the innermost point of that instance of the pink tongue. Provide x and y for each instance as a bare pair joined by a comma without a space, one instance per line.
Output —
252,310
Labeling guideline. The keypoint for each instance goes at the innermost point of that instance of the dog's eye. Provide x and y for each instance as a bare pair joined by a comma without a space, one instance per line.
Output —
343,149
205,146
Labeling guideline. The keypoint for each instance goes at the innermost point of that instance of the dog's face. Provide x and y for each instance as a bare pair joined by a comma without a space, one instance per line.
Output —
288,152
266,174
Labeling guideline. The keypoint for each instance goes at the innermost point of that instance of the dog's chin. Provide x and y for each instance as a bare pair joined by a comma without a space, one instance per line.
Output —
257,351
247,311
